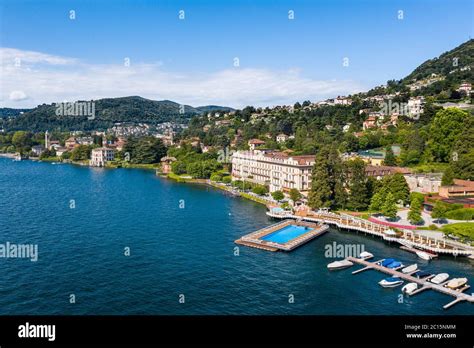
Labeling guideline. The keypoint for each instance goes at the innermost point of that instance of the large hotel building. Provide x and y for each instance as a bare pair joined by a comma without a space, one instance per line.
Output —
277,170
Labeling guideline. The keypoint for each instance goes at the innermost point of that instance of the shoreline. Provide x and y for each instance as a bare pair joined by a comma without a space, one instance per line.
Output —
174,177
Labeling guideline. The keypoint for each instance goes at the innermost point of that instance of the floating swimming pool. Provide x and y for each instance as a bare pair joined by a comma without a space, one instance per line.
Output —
286,234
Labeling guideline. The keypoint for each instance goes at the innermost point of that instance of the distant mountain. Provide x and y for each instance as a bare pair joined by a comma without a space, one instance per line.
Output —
210,108
107,112
8,112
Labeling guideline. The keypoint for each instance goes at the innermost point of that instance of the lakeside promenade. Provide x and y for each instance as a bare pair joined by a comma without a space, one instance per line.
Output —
407,238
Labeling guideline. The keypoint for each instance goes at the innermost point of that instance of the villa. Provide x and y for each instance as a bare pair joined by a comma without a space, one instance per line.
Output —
278,170
281,138
100,156
254,143
71,143
424,183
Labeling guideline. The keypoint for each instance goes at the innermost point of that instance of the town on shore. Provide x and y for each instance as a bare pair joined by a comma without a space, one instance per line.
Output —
400,154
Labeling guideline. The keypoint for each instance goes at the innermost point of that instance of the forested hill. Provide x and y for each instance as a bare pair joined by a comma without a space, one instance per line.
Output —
107,112
439,77
451,62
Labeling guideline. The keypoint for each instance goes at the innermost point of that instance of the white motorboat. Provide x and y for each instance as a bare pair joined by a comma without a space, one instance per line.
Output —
456,283
365,255
339,264
391,282
410,288
423,255
440,278
410,269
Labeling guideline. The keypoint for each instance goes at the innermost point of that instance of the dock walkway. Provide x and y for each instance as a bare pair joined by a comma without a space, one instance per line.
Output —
425,284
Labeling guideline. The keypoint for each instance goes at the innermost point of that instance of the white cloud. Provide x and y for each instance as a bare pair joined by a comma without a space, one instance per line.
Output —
17,96
46,78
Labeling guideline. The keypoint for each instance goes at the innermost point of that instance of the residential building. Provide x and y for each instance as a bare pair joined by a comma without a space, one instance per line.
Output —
166,164
100,156
255,143
277,170
415,106
460,188
281,138
466,88
85,140
60,151
71,143
379,172
424,183
370,122
372,158
37,150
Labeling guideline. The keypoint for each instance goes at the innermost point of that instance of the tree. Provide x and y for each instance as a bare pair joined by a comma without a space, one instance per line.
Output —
448,177
81,153
260,190
445,129
358,197
439,210
21,140
377,201
326,173
397,186
295,194
278,195
148,150
47,154
216,177
462,157
178,167
203,169
321,193
390,159
414,215
389,206
227,179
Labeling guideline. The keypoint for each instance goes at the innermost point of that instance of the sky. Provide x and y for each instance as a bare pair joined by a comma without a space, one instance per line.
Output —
229,52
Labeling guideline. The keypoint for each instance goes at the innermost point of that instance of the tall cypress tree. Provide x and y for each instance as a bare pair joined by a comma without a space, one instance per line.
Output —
358,193
389,159
321,193
327,180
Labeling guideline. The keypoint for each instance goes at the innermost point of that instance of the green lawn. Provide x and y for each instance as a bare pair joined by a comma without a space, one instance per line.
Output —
462,229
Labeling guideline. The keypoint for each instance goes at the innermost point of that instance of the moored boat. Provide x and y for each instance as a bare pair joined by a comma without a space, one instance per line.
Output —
339,264
410,288
410,269
387,262
422,274
456,283
440,278
365,255
394,265
423,255
391,282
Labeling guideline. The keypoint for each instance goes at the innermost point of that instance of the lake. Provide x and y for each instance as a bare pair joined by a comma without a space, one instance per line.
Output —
124,241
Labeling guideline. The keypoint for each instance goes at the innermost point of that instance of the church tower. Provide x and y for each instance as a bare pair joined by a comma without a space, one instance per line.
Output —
46,140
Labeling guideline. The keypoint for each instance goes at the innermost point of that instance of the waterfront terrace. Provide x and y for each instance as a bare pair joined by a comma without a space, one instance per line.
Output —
277,170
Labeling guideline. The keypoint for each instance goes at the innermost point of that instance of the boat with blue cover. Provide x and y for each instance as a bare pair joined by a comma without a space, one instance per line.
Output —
387,262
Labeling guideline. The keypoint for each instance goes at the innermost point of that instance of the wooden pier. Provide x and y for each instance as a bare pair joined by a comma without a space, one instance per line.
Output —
423,282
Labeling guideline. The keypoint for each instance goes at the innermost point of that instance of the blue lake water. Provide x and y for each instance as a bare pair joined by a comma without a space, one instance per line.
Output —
181,240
